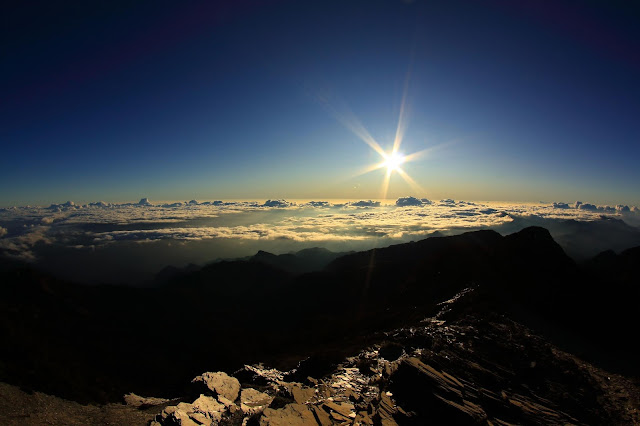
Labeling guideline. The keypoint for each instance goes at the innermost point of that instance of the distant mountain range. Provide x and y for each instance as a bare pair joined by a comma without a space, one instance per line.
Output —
582,240
296,263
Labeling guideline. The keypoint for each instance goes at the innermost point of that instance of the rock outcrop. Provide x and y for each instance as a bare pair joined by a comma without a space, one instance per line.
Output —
469,371
137,401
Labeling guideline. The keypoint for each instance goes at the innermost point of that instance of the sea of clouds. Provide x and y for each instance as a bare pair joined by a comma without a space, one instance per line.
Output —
219,229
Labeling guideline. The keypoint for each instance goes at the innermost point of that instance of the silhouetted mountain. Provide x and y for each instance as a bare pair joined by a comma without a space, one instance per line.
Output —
580,239
171,272
297,263
583,239
303,261
96,343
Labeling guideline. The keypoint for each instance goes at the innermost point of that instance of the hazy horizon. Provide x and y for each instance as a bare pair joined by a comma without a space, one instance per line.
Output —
383,201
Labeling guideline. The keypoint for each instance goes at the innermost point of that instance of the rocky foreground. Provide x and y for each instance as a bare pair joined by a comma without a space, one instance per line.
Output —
468,371
464,371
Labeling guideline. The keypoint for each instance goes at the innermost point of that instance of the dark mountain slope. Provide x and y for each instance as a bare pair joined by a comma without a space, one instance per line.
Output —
95,343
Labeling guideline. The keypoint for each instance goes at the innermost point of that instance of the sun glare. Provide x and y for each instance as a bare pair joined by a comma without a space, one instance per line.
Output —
392,162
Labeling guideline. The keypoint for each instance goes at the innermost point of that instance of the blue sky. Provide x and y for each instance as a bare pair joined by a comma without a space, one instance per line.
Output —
117,101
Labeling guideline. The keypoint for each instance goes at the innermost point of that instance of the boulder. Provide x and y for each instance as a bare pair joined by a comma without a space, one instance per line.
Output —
231,406
253,401
209,407
220,383
177,415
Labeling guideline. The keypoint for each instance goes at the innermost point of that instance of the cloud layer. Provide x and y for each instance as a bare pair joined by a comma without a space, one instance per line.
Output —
96,224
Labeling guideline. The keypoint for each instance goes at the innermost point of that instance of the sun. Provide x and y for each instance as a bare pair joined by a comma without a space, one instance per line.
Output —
393,161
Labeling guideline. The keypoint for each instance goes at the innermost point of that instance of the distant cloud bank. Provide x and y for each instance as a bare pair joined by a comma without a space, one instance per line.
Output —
23,229
411,201
579,205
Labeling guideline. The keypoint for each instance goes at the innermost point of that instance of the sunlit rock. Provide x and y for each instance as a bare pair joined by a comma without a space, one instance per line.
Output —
230,405
340,411
177,415
209,408
254,401
138,401
221,384
291,414
301,394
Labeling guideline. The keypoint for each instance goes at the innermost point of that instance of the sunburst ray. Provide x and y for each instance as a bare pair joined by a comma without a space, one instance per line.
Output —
385,184
414,185
402,116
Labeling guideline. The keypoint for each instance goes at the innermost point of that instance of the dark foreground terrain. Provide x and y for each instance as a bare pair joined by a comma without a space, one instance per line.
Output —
527,337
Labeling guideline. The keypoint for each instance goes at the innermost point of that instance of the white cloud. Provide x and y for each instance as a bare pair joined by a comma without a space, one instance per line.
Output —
99,204
364,203
318,204
101,223
277,203
629,214
409,201
587,206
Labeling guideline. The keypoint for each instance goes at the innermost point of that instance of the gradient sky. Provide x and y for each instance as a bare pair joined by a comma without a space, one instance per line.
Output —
522,100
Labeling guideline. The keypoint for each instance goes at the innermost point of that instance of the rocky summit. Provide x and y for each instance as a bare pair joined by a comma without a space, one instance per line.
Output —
467,371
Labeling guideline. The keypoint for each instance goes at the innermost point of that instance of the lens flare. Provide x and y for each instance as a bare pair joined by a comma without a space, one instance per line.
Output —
392,162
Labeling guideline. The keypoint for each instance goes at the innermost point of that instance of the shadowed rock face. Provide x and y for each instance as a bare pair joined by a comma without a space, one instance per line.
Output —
98,343
468,371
